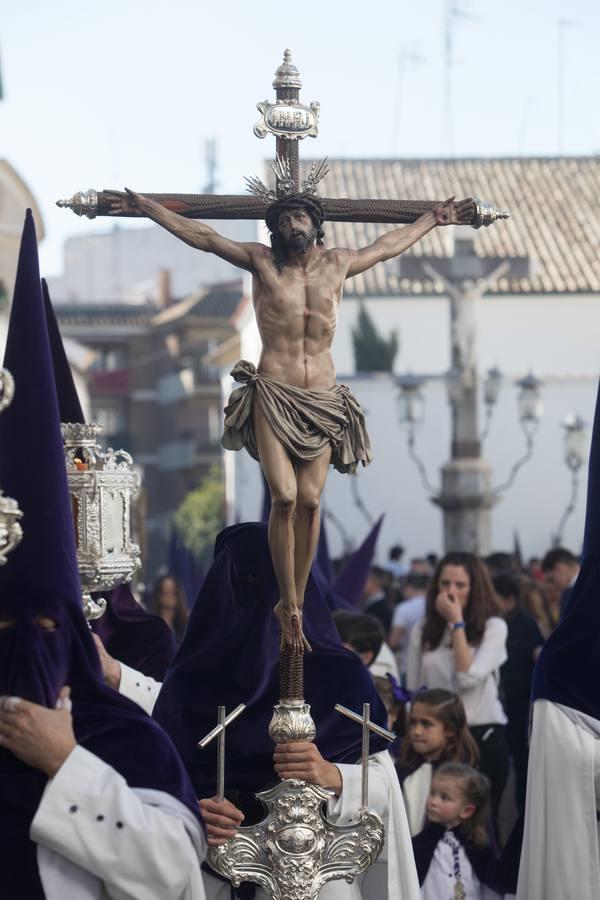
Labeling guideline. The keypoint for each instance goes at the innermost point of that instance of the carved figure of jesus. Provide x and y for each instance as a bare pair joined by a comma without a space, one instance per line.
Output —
290,414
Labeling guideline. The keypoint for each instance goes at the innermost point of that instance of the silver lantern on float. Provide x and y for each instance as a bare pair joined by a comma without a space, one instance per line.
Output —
102,486
10,529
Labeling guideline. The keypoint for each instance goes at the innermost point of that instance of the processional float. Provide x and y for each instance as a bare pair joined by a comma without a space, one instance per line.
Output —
295,850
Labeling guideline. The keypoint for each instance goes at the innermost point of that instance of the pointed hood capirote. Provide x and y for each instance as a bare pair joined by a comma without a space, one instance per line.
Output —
230,655
41,579
568,668
69,405
350,582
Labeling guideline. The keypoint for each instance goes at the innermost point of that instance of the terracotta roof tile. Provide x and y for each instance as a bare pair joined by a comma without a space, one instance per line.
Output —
554,217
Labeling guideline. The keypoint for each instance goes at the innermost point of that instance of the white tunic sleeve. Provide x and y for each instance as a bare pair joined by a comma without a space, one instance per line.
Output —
136,849
561,850
415,790
142,689
394,875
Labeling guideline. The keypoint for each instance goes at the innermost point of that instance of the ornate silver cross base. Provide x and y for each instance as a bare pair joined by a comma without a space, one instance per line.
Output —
296,850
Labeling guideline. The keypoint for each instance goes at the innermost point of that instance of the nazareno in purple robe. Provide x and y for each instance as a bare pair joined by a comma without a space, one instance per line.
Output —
41,579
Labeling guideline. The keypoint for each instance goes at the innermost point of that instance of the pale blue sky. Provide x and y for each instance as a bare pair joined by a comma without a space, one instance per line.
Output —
127,91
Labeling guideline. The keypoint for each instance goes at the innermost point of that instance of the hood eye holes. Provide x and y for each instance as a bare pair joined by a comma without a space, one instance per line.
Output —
46,623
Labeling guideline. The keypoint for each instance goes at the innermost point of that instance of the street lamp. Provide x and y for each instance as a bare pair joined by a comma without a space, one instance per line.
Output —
531,404
491,386
411,412
411,403
575,441
491,392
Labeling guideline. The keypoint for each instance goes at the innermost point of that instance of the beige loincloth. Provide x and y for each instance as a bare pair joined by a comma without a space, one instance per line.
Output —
304,422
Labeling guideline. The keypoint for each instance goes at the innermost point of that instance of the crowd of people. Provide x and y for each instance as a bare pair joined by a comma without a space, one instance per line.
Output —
451,644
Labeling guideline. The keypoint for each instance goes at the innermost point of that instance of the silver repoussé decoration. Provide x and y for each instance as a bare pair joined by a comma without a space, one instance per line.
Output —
7,388
83,203
285,181
296,850
102,485
292,721
487,214
10,530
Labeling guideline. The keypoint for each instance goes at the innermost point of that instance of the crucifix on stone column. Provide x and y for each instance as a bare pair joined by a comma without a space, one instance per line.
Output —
466,496
289,413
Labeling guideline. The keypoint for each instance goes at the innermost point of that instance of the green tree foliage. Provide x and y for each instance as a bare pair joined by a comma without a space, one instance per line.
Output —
201,515
372,352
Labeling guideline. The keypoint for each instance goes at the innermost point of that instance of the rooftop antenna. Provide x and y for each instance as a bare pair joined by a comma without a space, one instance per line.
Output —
406,58
210,156
454,15
563,24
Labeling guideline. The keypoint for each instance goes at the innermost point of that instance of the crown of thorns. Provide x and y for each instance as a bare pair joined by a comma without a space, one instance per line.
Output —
305,201
285,181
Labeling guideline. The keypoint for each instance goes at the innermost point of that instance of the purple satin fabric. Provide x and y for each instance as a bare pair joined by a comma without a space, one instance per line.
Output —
568,668
350,582
133,636
230,655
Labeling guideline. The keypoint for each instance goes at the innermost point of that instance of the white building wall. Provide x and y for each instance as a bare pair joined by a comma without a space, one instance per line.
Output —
557,338
550,335
122,263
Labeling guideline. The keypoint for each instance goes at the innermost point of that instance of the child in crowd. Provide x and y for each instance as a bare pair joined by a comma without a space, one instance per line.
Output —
364,634
437,733
395,700
453,855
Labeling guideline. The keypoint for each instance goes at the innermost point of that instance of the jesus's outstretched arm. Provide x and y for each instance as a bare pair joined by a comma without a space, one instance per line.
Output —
393,243
196,234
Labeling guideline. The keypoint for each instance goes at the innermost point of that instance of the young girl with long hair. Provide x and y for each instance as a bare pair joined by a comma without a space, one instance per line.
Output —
437,733
460,645
453,853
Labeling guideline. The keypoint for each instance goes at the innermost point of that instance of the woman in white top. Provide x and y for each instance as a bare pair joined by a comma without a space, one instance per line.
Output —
460,646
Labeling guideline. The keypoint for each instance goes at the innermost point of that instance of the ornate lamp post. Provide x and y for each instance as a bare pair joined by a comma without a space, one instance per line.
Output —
466,513
10,530
531,409
491,392
575,451
102,485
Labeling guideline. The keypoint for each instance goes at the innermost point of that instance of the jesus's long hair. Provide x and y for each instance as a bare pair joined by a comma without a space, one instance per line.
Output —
311,205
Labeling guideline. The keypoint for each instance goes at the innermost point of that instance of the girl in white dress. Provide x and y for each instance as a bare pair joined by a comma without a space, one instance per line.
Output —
453,854
437,733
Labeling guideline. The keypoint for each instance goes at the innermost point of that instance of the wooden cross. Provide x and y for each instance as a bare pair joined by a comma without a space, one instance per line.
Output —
367,727
219,732
289,121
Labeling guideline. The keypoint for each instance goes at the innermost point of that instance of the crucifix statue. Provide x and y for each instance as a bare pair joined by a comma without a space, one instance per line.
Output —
290,413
